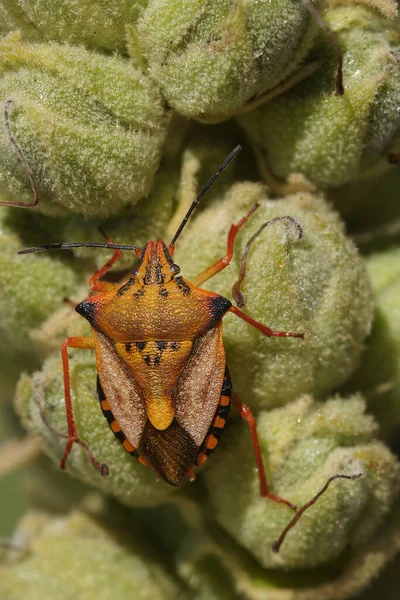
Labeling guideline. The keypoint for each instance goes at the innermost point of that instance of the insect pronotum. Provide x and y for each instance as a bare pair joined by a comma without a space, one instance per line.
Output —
163,383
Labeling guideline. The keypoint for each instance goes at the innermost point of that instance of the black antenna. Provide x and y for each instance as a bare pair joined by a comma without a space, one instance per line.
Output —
69,245
205,189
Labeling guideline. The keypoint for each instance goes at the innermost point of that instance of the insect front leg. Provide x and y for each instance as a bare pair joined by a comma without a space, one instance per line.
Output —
246,414
72,436
225,260
104,286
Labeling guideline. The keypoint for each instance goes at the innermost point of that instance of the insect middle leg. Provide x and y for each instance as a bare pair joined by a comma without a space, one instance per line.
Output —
246,414
72,436
225,260
267,331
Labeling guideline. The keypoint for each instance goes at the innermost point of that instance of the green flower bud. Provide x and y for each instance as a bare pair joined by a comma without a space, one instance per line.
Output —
97,24
304,443
81,557
209,58
204,151
91,127
317,285
386,586
217,569
148,220
379,373
332,139
388,8
31,289
129,481
370,207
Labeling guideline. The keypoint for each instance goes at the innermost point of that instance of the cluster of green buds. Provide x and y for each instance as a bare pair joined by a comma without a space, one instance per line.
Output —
113,117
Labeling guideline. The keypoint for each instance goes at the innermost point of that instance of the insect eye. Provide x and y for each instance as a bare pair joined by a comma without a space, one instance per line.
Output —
174,269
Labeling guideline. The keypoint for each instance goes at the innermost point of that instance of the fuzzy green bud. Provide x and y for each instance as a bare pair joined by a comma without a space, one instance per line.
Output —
379,373
332,139
305,443
387,8
97,24
317,285
202,154
217,569
90,126
81,557
31,289
209,58
147,220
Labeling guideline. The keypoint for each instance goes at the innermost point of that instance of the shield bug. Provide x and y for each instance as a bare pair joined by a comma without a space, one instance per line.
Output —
163,383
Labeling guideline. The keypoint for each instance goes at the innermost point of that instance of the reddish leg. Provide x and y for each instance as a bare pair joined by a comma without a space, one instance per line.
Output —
248,416
72,437
263,328
104,286
225,260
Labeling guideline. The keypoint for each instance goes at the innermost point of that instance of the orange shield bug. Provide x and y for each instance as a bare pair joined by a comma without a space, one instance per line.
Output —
163,383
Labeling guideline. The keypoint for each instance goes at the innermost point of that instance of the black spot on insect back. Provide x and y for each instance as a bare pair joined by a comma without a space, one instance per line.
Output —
182,286
88,310
126,286
163,292
218,307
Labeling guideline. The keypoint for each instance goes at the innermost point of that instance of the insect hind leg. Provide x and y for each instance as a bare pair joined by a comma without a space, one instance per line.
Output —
246,414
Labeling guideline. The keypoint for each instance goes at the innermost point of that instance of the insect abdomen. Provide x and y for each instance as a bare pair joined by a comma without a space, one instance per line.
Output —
114,425
219,421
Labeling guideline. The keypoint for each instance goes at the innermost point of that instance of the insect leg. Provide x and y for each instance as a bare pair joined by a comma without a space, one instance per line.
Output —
72,436
246,414
278,543
225,260
263,328
104,286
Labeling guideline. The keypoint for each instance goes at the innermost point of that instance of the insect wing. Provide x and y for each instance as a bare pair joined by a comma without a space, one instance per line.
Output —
200,385
120,390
